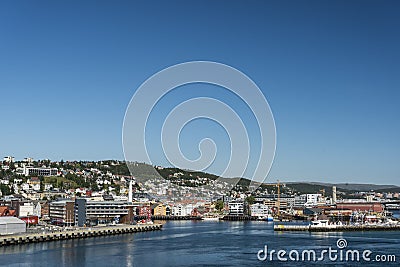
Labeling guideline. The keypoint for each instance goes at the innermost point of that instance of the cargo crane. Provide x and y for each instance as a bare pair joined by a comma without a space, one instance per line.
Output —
278,202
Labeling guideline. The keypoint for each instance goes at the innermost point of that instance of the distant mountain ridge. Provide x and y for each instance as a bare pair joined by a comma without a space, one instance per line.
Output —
352,186
302,187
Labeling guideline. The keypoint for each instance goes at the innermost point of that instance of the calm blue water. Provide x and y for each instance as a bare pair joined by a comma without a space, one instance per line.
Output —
191,243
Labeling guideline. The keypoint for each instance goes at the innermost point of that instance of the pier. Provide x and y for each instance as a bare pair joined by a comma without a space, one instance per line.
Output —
169,217
239,218
25,238
336,228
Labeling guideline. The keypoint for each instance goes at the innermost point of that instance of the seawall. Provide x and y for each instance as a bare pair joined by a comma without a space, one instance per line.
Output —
25,238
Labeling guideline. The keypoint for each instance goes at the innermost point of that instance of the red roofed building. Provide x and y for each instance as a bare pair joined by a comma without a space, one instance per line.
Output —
6,211
361,206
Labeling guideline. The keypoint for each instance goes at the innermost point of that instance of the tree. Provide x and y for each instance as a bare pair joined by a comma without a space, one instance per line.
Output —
94,187
250,200
219,205
5,190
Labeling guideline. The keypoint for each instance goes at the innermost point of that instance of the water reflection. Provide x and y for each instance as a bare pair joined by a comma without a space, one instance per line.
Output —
188,243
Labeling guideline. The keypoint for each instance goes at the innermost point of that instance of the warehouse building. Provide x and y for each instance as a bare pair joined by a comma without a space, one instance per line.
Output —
11,225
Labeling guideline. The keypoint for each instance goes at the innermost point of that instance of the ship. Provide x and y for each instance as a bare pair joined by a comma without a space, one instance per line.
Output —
211,217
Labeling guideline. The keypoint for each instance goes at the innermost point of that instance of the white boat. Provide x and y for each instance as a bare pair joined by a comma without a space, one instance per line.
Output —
211,217
322,224
267,218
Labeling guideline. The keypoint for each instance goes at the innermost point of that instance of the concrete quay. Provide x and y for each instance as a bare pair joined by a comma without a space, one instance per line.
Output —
26,238
336,228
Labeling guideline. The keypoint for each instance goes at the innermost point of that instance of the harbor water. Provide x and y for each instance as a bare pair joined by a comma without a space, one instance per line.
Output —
199,243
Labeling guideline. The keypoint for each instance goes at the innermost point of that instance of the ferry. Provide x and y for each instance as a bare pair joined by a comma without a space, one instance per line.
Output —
211,217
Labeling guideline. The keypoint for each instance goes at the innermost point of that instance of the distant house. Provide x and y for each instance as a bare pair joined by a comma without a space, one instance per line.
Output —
4,181
48,187
158,209
34,183
25,186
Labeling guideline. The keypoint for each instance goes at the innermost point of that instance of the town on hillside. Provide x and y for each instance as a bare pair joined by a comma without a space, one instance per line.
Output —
44,194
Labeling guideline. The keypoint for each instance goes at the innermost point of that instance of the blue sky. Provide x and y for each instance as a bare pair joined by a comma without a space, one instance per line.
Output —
329,69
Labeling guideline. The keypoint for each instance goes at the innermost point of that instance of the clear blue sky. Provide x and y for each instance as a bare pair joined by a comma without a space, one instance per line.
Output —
329,69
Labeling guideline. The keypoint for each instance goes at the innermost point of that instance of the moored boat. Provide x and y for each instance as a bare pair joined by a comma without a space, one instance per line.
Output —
211,217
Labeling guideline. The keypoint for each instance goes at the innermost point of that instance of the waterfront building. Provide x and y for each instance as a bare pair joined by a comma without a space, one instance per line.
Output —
236,208
62,212
374,207
159,209
259,210
182,210
89,212
11,225
177,210
144,209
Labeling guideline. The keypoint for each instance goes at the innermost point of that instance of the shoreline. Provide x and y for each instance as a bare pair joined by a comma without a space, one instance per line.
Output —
336,228
26,238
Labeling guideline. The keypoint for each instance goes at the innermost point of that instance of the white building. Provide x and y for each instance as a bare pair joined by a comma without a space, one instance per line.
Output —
26,209
28,160
48,187
182,210
313,199
259,210
370,198
4,181
31,171
25,186
9,159
11,225
37,210
236,208
177,210
35,187
300,201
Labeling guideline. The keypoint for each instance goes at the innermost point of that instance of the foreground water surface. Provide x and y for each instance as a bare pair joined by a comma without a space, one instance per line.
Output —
200,243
